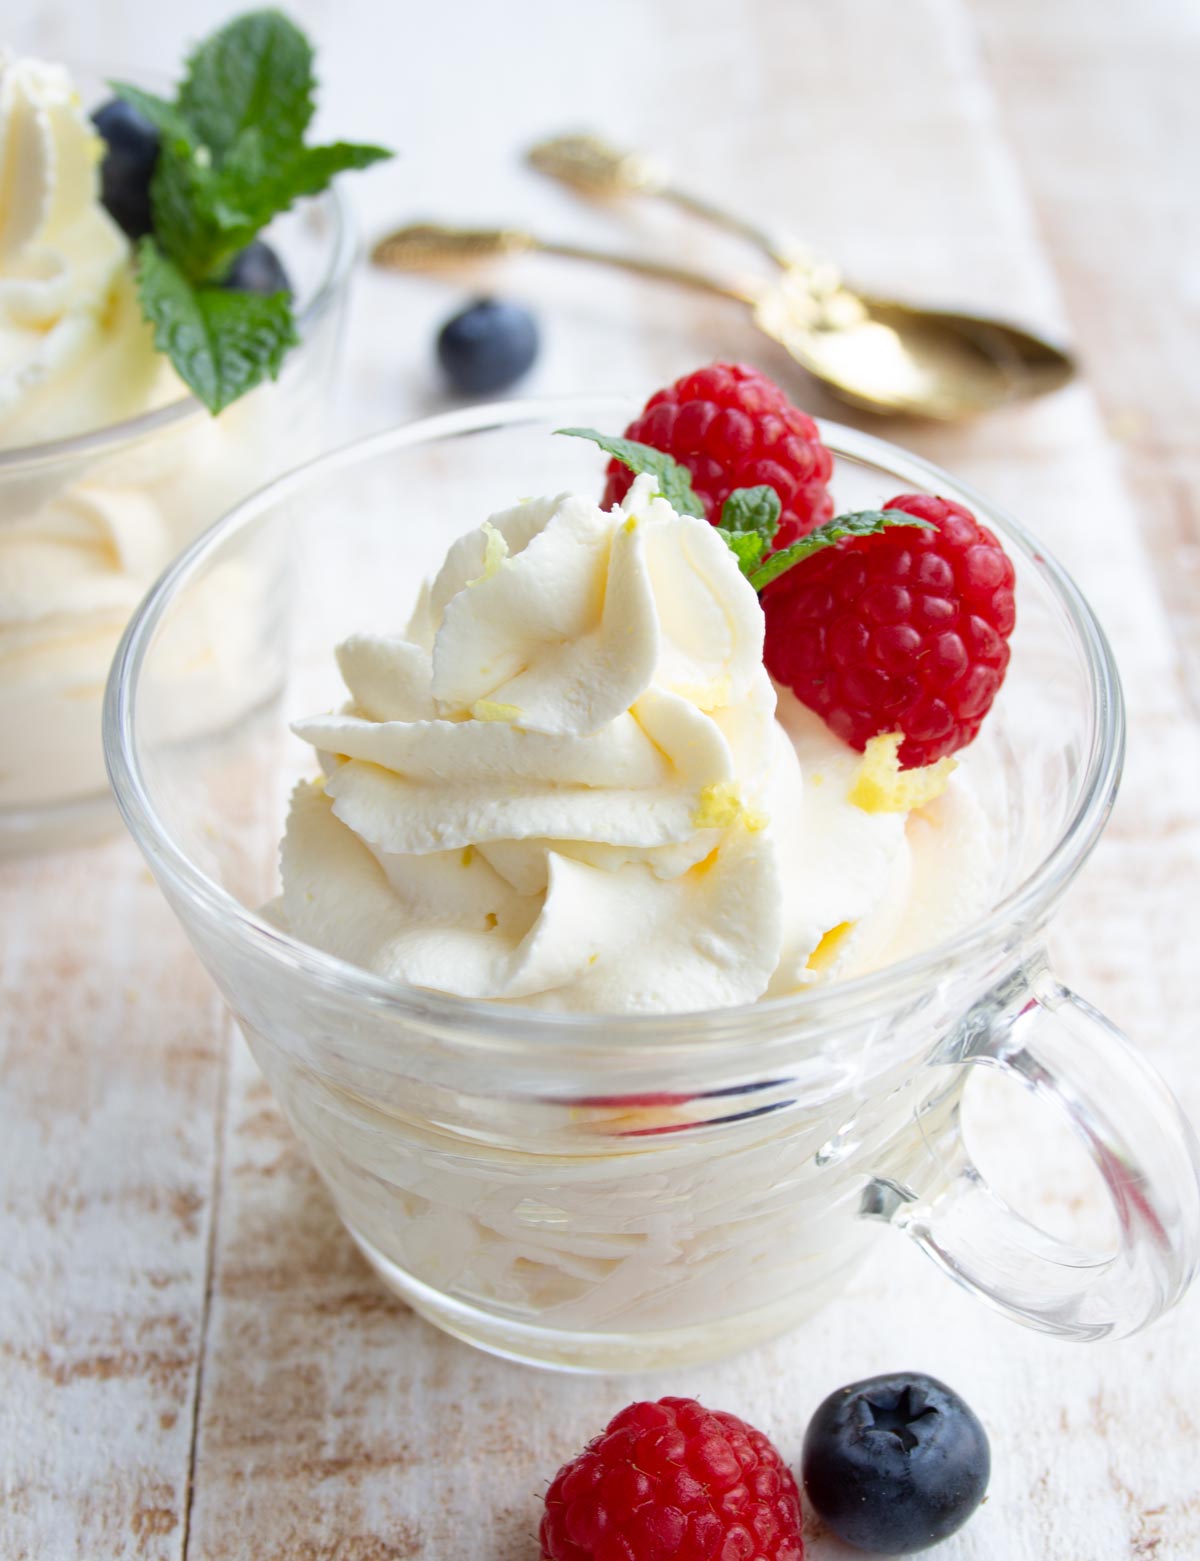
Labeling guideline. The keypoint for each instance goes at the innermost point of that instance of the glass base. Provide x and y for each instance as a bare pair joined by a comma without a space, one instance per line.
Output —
593,1354
58,826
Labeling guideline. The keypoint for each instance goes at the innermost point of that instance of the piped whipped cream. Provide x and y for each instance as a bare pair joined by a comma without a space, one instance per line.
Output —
75,353
83,536
570,784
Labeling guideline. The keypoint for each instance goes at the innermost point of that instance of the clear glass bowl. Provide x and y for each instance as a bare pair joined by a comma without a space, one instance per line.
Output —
93,519
607,1194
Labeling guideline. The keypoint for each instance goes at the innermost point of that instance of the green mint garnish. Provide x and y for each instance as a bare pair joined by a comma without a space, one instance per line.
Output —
254,74
232,158
752,509
749,521
749,516
860,523
746,546
674,480
222,343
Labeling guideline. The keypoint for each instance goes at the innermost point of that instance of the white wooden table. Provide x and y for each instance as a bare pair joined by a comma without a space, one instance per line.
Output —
193,1361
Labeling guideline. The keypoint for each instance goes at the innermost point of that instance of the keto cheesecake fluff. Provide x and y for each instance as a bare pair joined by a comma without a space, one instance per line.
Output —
81,538
570,784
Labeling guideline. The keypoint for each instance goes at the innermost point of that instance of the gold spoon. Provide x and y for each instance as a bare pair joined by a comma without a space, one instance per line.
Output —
874,352
890,360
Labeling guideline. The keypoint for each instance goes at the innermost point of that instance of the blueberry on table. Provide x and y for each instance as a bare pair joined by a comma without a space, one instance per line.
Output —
488,346
258,269
131,152
895,1463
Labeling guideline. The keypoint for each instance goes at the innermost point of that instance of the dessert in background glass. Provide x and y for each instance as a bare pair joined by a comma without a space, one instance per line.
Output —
605,1192
107,465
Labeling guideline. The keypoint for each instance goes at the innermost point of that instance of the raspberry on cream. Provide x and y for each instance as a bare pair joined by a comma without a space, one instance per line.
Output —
567,786
732,427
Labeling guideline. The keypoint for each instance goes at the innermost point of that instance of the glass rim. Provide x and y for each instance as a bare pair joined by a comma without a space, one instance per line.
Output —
490,1024
96,441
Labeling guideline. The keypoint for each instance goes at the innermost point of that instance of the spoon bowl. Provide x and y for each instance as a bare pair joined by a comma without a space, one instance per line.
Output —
887,357
895,359
882,354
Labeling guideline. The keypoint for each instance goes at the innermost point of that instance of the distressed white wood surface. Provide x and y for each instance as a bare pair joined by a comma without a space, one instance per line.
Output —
193,1361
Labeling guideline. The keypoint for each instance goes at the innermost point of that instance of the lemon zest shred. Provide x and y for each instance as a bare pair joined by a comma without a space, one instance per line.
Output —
881,786
495,551
828,948
706,864
713,695
721,806
492,710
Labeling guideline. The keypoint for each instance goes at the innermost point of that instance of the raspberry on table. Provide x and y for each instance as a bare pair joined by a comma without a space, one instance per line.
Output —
904,631
672,1481
734,428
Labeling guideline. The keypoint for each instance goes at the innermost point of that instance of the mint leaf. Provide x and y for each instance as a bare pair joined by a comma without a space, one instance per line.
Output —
164,116
204,216
183,202
752,509
231,158
207,207
313,167
221,343
253,185
860,523
746,546
674,480
749,521
255,72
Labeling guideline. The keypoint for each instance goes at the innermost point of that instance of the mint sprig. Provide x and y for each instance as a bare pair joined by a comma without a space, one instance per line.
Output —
254,74
674,480
232,157
749,516
749,521
859,523
222,343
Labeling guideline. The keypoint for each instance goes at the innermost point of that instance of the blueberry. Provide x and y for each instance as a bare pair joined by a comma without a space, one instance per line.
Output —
131,152
896,1463
488,346
258,269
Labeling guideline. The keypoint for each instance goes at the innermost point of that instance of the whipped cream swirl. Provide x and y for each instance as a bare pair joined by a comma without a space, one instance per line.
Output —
566,785
82,536
75,353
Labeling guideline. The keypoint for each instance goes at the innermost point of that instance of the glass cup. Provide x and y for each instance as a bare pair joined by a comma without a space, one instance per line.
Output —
601,1193
88,522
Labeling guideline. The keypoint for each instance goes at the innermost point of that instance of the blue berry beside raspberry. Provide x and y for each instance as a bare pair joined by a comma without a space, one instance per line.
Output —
895,1463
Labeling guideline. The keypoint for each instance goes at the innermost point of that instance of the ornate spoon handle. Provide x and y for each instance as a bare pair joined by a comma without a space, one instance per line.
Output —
427,246
588,164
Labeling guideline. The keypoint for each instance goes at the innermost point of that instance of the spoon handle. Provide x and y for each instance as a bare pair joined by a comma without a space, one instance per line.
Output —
427,246
591,166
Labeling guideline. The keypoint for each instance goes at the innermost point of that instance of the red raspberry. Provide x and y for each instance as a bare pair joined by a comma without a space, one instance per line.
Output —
904,631
733,428
671,1481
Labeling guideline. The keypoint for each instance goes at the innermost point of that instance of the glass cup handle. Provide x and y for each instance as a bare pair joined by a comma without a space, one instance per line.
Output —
1059,1046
